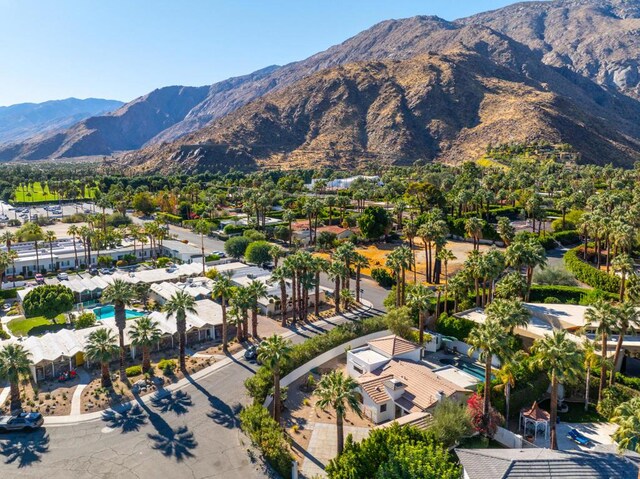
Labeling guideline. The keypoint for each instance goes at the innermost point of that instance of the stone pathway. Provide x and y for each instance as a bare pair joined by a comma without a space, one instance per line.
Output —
85,379
4,394
323,447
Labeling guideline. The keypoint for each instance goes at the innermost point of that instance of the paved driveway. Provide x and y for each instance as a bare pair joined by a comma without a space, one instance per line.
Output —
598,432
323,447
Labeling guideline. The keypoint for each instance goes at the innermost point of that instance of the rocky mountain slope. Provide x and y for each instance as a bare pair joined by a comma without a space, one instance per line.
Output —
483,88
599,39
24,120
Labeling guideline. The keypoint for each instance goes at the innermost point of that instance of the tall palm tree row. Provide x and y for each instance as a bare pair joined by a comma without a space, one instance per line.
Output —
602,317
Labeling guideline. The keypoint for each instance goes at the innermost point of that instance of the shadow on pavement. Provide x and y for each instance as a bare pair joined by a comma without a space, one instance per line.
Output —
25,448
178,402
128,419
177,443
222,413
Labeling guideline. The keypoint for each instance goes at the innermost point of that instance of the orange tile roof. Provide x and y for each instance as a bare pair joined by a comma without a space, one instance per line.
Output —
422,385
393,345
333,229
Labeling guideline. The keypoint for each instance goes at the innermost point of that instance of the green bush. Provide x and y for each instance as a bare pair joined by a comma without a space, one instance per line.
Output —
3,334
258,252
167,366
254,235
133,370
554,276
565,294
9,293
268,436
260,384
234,229
75,218
633,383
236,246
85,320
48,301
567,238
163,261
556,225
456,227
588,274
551,300
459,328
212,257
169,218
382,277
612,397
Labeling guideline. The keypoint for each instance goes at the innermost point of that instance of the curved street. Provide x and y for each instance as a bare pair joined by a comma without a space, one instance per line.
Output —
191,432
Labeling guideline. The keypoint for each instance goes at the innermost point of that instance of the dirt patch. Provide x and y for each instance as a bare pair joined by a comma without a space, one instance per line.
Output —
50,398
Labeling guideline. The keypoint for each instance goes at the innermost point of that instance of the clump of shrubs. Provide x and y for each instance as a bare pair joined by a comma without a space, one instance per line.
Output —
167,366
133,370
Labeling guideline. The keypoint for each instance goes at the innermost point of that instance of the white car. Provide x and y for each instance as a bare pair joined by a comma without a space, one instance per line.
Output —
63,276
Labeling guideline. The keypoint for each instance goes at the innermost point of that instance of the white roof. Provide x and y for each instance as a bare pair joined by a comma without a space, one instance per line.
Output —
368,356
457,377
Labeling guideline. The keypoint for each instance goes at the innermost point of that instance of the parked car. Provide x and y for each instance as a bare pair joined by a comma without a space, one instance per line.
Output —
22,421
93,271
220,254
39,278
62,276
251,354
105,271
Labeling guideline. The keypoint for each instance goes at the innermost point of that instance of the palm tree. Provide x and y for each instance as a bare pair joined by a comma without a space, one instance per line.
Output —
338,391
627,417
623,263
489,339
179,305
121,294
507,377
50,237
445,255
145,333
360,261
142,291
336,272
273,353
473,227
560,357
280,275
14,365
243,302
73,231
419,298
628,318
102,347
320,265
527,253
347,298
510,313
602,316
222,288
591,360
202,228
257,290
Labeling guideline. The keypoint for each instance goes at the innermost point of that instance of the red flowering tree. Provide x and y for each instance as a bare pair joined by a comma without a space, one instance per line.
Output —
487,425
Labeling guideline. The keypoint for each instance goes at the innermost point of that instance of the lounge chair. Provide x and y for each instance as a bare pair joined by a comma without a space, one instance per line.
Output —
579,438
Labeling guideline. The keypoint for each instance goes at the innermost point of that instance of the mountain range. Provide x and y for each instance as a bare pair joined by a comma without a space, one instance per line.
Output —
25,120
421,88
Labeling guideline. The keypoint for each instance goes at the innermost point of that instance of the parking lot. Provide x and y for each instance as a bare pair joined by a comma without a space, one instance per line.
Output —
53,210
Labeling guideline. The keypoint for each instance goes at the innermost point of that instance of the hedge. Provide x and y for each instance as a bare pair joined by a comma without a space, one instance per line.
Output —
169,218
458,328
565,294
586,273
133,371
259,386
9,293
567,238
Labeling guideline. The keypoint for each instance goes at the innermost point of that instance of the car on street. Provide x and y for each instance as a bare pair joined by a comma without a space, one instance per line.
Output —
105,271
219,254
251,354
39,278
23,421
93,271
62,276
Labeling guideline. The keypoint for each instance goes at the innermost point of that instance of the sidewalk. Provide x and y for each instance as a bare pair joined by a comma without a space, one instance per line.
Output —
76,417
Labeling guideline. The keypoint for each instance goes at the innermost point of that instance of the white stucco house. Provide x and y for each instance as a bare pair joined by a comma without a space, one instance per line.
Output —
394,383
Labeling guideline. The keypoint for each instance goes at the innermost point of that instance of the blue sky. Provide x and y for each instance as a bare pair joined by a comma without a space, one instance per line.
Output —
122,49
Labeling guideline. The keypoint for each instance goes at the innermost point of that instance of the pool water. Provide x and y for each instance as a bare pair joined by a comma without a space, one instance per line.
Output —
108,312
469,368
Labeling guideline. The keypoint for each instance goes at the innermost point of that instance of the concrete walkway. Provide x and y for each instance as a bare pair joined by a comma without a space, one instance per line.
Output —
85,379
323,447
77,417
4,394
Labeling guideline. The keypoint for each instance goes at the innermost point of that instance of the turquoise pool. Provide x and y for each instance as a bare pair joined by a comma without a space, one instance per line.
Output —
470,368
108,312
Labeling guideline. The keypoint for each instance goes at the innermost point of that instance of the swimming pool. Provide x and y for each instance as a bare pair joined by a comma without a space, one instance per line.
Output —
108,312
469,368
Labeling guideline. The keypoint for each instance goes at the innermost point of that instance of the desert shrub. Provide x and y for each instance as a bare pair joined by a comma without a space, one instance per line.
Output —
167,366
212,257
382,277
554,276
75,218
163,261
551,300
133,370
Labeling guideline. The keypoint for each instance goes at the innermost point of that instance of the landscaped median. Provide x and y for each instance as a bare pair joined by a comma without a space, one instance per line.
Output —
588,274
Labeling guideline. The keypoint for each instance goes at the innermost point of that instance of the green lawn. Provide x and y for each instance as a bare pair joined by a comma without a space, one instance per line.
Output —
34,192
36,326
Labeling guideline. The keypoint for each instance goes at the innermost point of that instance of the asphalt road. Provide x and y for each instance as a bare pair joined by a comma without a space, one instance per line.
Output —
192,433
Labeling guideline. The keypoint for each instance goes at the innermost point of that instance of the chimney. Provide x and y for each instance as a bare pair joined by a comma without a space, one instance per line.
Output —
440,396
